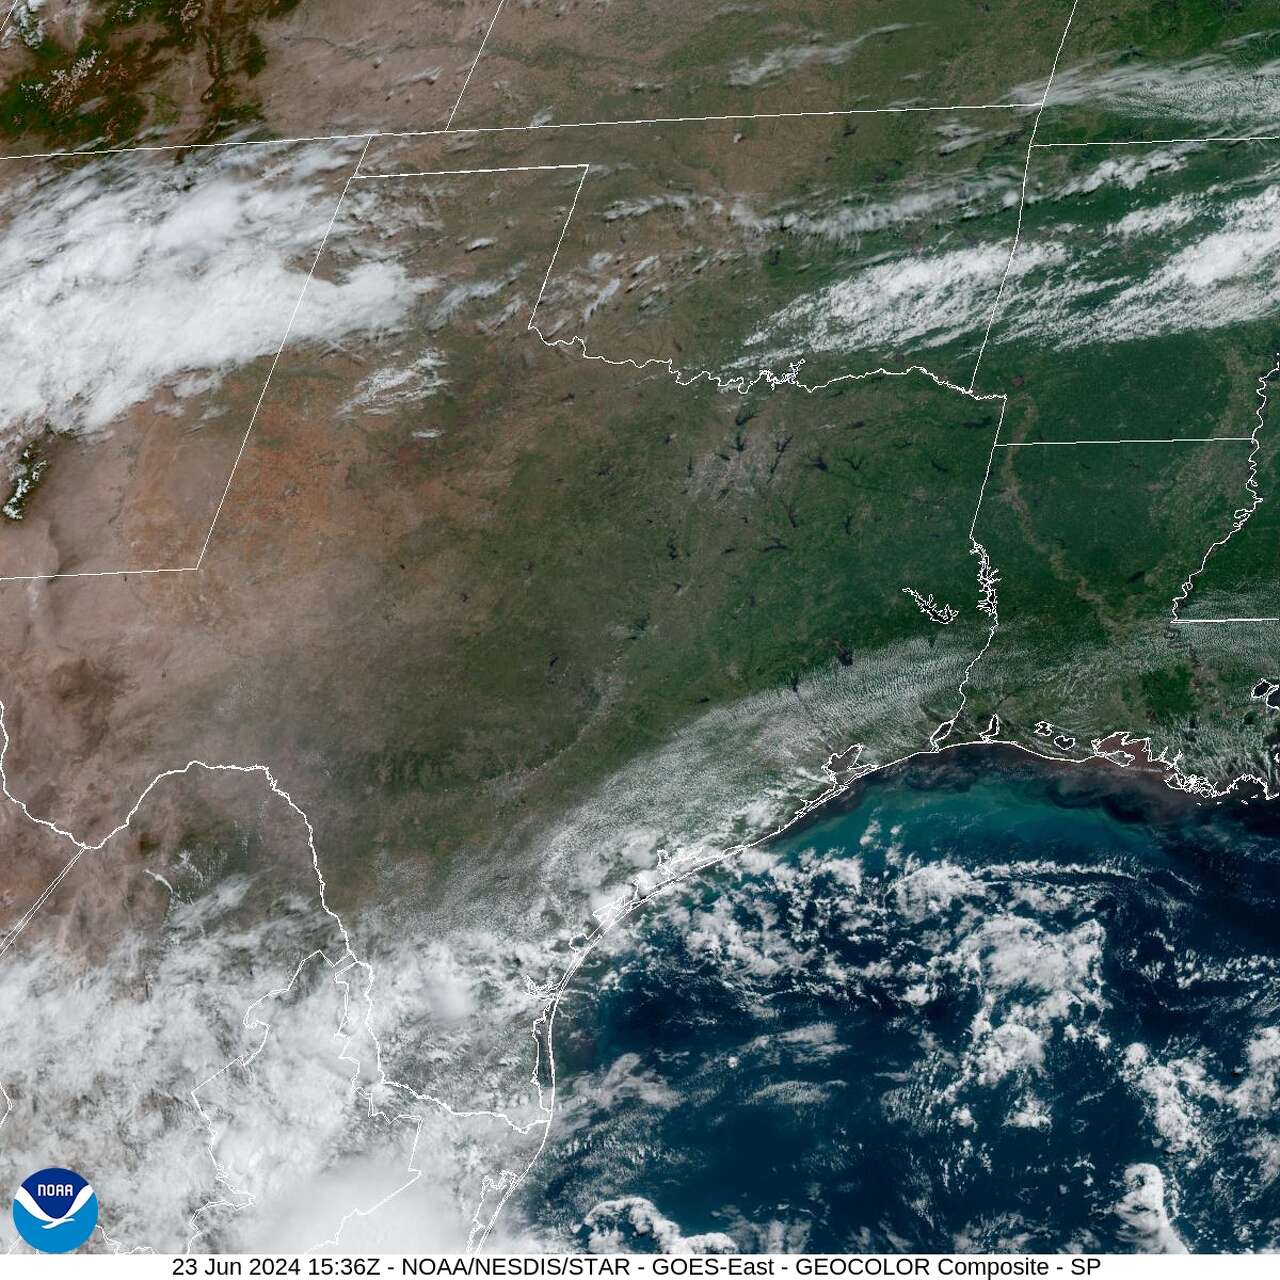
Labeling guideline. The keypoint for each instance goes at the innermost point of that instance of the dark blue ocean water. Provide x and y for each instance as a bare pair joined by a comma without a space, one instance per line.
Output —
983,1003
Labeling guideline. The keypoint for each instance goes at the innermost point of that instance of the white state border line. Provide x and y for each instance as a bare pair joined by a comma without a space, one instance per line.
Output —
4,26
728,118
297,306
1041,444
244,441
343,965
544,1027
94,573
356,174
1157,142
616,913
504,168
507,1182
275,360
1209,622
1022,198
1243,514
475,62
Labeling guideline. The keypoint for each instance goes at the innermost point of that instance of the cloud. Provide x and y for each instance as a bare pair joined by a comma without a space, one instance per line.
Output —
903,304
393,386
115,1065
1213,264
965,197
933,888
1143,1214
780,62
1257,1092
632,1224
1209,87
143,271
1129,170
1185,264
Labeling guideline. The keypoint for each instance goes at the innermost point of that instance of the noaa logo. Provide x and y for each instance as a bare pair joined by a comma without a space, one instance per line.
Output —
55,1210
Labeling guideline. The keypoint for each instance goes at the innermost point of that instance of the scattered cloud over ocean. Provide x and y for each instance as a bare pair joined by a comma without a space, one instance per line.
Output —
632,1224
1144,1213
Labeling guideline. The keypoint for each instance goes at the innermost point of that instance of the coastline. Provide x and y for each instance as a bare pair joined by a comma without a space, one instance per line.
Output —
1119,769
1102,926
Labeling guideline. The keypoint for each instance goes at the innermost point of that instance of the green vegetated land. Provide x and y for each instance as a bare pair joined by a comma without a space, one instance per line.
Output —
103,76
657,551
662,58
714,547
580,561
587,559
739,246
1147,322
1243,577
1172,68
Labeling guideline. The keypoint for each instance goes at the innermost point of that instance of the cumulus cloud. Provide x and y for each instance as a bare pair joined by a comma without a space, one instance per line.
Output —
931,889
1210,87
1149,219
632,1224
1219,269
1257,1093
915,303
392,387
1173,1093
966,196
1143,1213
1180,265
100,1060
221,1082
781,62
1129,169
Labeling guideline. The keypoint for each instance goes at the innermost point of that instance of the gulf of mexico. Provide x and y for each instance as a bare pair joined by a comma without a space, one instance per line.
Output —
982,1003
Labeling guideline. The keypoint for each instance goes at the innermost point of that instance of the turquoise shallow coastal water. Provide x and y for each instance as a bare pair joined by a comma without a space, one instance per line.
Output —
983,1003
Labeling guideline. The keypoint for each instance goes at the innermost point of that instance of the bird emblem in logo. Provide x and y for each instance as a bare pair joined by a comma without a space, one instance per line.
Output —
55,1210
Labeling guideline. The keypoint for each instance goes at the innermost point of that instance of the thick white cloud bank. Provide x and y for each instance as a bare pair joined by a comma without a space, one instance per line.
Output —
145,273
923,301
222,1085
1188,263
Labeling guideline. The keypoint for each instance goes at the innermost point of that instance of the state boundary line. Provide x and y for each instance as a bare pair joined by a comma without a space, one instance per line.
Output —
728,118
275,360
1042,444
1157,142
546,1020
446,173
369,137
1242,514
1022,199
8,17
475,62
353,176
253,418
